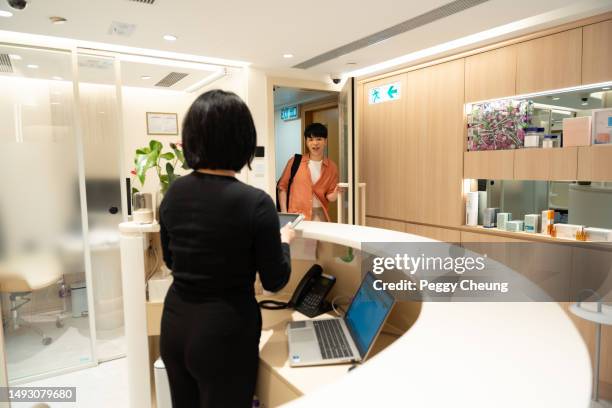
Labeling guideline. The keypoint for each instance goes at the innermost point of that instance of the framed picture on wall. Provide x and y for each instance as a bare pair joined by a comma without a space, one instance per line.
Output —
159,123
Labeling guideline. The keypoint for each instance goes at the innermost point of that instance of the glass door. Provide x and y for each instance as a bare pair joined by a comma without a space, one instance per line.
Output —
100,123
43,255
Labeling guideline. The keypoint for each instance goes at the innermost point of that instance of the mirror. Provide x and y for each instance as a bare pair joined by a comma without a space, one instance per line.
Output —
504,124
582,203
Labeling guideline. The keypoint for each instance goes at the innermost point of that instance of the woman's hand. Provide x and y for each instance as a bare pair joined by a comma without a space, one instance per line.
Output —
287,234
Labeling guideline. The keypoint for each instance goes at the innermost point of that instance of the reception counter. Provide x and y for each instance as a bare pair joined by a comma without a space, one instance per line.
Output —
456,354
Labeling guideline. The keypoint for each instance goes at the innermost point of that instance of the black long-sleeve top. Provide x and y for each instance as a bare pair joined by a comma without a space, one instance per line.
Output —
216,233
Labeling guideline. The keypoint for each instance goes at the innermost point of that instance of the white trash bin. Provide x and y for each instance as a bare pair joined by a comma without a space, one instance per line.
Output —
162,386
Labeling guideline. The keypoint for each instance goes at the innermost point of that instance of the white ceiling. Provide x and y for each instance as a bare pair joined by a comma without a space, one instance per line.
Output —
99,70
260,32
294,96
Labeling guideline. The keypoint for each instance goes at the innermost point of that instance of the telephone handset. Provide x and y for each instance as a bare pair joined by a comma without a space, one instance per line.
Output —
309,296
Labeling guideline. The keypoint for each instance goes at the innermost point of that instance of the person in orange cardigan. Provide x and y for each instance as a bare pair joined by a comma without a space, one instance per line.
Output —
315,183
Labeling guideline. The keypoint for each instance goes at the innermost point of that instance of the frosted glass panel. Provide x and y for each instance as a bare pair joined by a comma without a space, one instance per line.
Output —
101,140
46,327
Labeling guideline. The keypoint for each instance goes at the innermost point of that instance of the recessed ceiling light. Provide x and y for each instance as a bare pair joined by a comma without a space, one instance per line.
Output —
556,98
145,77
351,63
15,57
169,37
57,20
606,88
57,78
32,66
287,55
4,13
584,103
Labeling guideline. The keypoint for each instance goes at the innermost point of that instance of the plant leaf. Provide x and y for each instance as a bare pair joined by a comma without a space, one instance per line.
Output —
167,156
155,145
143,150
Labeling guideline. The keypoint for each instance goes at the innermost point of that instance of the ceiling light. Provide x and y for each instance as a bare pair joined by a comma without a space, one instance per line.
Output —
32,66
351,63
556,98
287,55
4,13
606,88
15,57
169,37
57,20
584,103
145,77
57,78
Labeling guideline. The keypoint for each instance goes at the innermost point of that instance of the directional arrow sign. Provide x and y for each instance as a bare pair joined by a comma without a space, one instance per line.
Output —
385,93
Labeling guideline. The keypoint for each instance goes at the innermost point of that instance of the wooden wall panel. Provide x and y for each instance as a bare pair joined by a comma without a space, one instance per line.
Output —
491,74
596,55
384,146
595,163
386,224
494,164
550,62
546,164
437,233
436,130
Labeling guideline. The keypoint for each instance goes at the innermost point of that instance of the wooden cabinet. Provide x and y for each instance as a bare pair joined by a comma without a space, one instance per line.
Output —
550,62
595,163
491,74
546,164
494,164
596,55
384,148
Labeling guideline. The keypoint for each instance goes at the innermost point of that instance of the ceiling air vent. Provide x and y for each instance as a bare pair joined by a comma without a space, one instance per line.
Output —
171,79
143,1
5,63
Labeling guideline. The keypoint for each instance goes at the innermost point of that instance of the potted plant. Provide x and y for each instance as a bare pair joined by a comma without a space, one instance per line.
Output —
164,163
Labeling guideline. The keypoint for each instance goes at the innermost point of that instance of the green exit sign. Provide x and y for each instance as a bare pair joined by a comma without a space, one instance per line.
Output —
289,113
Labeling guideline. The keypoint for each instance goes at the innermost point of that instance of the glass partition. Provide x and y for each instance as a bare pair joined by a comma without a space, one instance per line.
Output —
42,251
100,129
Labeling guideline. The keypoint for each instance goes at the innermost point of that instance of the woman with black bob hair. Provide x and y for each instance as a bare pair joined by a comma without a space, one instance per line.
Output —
216,234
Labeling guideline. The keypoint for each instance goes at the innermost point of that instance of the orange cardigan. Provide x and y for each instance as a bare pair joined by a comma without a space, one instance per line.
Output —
302,189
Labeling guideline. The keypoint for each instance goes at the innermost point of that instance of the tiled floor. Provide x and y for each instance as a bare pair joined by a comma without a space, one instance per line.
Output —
103,386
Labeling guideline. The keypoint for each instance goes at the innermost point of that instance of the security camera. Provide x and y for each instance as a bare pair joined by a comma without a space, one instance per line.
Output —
584,99
18,4
336,78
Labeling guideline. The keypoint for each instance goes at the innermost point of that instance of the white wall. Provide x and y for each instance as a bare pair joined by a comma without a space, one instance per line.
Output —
138,101
287,141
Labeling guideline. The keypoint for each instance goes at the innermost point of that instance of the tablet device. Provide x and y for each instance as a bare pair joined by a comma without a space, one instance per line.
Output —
290,218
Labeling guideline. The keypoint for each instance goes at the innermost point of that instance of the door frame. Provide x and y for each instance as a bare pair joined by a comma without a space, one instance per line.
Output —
272,82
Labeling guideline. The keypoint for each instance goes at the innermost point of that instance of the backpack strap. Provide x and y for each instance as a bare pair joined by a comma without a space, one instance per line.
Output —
297,160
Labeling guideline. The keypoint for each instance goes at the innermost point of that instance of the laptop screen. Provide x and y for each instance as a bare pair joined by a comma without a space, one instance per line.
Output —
367,313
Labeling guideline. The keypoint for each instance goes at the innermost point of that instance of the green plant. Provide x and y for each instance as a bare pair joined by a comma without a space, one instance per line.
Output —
152,156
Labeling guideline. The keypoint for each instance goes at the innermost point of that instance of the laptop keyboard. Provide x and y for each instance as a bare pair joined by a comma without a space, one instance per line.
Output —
332,341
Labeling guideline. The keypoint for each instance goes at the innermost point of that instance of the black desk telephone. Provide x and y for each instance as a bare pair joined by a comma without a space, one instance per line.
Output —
309,296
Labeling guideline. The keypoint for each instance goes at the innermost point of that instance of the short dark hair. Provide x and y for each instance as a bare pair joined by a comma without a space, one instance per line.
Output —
219,133
315,130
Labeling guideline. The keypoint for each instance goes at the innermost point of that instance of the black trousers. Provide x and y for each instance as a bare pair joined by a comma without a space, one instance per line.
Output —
211,350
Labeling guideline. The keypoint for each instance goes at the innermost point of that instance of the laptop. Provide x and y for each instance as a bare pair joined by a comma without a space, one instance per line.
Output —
341,340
